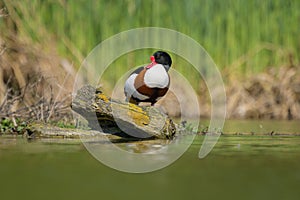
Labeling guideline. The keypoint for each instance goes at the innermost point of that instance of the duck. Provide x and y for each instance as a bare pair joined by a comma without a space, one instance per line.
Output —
151,82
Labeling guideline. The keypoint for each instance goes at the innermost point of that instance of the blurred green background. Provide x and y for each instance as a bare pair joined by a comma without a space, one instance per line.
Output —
240,35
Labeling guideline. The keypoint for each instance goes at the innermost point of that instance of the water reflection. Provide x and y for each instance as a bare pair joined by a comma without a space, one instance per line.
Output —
239,167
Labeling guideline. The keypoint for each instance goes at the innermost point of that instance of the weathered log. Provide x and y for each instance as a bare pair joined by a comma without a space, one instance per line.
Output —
121,118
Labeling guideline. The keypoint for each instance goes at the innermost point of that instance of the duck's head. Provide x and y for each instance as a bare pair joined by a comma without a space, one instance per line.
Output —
163,58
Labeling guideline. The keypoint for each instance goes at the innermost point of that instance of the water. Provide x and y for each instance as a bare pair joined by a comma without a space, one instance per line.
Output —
239,167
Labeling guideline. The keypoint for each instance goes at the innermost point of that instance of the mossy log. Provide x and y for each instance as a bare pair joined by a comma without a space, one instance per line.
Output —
121,118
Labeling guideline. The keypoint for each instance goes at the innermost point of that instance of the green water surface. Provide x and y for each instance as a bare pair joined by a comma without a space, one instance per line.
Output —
239,167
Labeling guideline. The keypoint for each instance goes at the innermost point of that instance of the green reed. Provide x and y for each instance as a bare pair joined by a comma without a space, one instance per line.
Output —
240,35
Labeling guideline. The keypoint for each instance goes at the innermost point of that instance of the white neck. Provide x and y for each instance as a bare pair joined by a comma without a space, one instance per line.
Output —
157,76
